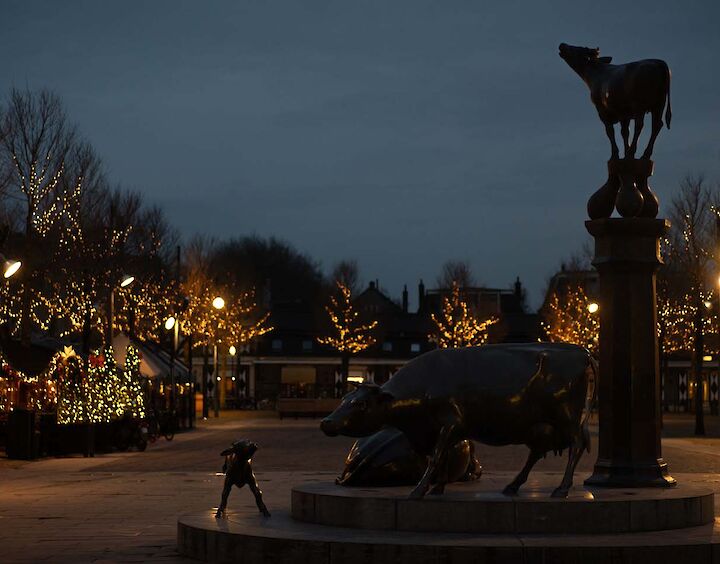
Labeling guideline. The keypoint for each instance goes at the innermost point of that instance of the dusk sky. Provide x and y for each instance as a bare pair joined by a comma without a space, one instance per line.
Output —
399,133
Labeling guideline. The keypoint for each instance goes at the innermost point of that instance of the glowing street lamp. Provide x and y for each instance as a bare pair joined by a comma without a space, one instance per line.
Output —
708,304
233,350
126,280
593,307
170,323
10,266
218,303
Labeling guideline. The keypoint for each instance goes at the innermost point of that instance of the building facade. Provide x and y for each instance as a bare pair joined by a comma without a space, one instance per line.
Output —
289,362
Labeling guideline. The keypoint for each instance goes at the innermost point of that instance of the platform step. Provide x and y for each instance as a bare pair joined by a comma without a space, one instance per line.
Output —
248,538
478,507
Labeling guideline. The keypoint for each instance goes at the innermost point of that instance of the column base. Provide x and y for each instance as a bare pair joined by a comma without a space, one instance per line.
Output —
611,475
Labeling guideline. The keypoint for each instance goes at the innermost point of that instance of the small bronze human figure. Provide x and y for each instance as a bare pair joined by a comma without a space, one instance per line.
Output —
622,93
238,472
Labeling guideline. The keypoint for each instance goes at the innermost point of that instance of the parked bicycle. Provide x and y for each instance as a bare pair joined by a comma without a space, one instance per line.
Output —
130,432
163,423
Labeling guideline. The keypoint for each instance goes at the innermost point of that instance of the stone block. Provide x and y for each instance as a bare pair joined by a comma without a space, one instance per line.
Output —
434,514
357,512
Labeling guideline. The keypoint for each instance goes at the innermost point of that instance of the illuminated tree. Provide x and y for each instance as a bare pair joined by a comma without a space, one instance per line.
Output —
569,318
692,253
244,320
350,335
457,325
97,391
35,143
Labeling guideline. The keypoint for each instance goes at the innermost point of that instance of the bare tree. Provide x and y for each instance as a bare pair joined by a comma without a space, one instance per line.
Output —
693,246
456,272
580,260
36,141
347,273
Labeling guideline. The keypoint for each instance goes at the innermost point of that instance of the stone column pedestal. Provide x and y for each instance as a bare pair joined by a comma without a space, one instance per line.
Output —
627,255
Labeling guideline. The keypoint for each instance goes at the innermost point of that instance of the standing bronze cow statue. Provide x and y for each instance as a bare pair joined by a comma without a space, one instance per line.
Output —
238,472
622,93
537,394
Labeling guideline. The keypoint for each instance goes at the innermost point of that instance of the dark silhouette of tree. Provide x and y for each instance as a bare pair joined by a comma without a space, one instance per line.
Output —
280,274
348,273
456,272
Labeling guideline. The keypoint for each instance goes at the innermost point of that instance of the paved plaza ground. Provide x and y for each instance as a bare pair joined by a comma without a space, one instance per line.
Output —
124,507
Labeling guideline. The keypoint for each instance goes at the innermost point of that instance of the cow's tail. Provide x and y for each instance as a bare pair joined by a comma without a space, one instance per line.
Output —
668,110
590,399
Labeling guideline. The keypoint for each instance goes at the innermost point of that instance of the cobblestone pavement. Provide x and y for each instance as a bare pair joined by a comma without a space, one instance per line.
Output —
123,507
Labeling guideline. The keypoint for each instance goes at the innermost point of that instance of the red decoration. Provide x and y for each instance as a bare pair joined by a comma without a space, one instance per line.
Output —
96,360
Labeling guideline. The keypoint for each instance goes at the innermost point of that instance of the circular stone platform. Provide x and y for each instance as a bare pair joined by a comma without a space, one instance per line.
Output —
244,536
478,507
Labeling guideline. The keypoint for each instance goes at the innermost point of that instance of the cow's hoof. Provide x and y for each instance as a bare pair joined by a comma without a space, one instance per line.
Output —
560,493
417,494
220,515
437,490
511,491
266,514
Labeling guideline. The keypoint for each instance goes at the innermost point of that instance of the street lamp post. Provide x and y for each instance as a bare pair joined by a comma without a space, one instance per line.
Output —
218,303
718,341
233,352
174,324
125,281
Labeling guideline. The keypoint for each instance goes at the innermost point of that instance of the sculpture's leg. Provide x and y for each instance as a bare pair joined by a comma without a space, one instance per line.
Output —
440,448
657,124
574,454
639,122
225,494
257,492
625,132
513,487
442,477
611,135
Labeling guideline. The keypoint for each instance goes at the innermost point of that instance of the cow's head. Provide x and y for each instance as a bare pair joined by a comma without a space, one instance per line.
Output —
361,413
580,57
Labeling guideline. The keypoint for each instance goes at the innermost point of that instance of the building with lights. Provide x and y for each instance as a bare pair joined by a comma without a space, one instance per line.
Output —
290,364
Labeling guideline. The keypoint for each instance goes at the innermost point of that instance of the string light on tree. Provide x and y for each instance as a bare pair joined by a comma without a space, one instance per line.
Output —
457,326
350,335
572,317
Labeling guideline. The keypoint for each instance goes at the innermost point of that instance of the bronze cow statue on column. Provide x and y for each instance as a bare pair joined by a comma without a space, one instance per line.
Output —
622,93
538,394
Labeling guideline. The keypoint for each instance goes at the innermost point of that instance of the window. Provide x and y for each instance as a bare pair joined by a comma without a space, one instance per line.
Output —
276,344
307,345
387,346
415,347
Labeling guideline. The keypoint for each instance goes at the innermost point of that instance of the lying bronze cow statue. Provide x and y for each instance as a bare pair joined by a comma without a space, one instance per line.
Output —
538,394
387,458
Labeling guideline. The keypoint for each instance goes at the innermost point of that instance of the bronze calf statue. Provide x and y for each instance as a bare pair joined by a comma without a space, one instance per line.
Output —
238,472
622,93
388,459
537,394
